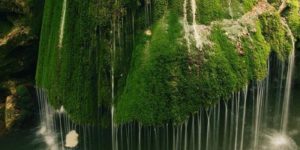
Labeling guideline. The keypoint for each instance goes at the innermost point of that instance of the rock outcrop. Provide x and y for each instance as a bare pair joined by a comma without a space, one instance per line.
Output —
11,112
20,22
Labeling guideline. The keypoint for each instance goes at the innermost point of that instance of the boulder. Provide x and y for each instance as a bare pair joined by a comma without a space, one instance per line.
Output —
12,113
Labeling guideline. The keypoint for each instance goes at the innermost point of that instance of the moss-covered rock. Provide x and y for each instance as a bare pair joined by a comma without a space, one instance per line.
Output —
153,64
292,15
11,112
168,82
213,10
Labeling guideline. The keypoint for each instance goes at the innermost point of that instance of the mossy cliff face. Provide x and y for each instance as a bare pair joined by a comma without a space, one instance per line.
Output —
155,61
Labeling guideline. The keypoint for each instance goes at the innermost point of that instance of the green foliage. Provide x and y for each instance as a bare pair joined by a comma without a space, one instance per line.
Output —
258,53
160,8
78,74
293,17
212,10
154,90
155,78
224,72
276,34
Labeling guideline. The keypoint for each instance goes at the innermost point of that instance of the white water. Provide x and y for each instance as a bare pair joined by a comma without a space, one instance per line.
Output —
245,94
233,126
288,85
62,23
237,121
47,124
196,33
187,136
277,141
186,26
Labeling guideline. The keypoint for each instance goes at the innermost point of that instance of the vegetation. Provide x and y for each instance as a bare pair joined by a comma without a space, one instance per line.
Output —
144,52
212,10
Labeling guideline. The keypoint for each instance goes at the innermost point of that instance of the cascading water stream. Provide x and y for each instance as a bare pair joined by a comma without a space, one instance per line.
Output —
237,121
208,113
196,33
258,112
62,23
200,129
113,50
47,123
200,132
288,84
186,26
245,94
225,126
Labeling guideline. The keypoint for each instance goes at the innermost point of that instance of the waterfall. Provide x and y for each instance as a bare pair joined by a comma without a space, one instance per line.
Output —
62,23
231,124
237,121
47,123
113,52
258,112
186,26
245,94
196,33
208,113
199,129
288,84
57,130
194,27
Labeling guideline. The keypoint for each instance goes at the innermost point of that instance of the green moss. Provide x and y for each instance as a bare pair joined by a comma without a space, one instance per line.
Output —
276,34
78,74
155,89
160,8
248,4
212,10
68,72
293,17
156,79
258,53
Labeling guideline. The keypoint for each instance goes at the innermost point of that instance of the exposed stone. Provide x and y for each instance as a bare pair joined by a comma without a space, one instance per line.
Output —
72,139
11,112
18,36
11,86
148,32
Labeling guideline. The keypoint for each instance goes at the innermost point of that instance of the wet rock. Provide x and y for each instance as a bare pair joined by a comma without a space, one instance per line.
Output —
18,36
11,112
72,139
